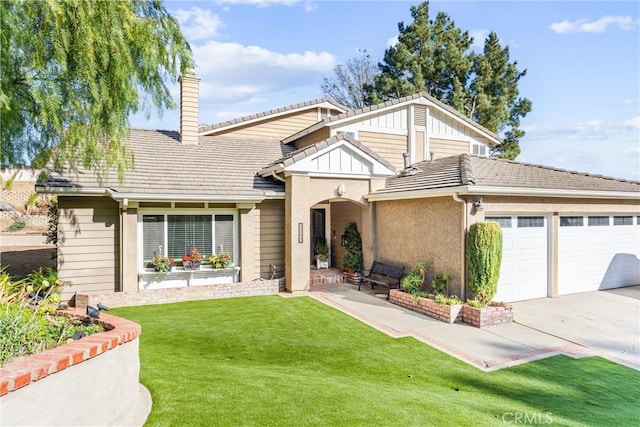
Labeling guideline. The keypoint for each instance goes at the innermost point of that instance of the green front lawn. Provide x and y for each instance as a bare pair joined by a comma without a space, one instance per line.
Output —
295,362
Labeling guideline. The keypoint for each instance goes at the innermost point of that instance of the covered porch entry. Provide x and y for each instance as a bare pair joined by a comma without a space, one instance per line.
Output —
325,185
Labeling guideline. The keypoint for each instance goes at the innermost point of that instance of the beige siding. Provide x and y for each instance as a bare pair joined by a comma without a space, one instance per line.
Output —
88,244
269,238
342,213
447,148
313,137
430,230
275,129
389,146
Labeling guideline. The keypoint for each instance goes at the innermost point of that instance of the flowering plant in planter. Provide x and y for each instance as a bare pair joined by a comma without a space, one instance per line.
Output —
221,260
162,264
193,260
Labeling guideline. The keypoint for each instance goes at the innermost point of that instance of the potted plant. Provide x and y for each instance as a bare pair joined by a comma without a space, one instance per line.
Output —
219,261
192,260
322,254
162,264
352,260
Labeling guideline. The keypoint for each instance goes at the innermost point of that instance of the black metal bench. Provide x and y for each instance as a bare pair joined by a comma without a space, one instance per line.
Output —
388,275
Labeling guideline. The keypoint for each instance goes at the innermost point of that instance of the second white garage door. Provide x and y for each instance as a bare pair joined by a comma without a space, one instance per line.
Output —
523,274
598,252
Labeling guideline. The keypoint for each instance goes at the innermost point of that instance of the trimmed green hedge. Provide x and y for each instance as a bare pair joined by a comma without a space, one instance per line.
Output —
484,257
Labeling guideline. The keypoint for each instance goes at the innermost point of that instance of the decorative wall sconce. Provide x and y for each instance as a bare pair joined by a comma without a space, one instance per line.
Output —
478,205
343,240
342,190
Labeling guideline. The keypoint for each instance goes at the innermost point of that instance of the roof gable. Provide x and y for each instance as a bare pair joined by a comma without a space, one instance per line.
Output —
270,114
340,154
419,99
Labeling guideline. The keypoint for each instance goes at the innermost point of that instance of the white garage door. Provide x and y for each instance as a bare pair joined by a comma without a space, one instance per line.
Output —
523,274
598,252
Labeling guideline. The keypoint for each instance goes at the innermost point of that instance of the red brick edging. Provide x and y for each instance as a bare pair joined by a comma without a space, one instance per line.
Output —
21,372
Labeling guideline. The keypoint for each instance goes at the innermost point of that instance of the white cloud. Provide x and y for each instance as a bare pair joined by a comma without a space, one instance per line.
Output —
590,130
392,41
629,101
231,72
597,26
310,6
633,123
197,23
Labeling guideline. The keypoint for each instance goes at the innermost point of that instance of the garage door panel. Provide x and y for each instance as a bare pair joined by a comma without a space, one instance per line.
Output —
598,257
523,274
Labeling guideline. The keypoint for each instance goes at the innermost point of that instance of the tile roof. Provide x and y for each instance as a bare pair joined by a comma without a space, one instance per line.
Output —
465,170
392,102
239,120
304,152
216,167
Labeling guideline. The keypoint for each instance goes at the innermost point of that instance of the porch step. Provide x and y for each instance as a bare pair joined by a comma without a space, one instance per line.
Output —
326,275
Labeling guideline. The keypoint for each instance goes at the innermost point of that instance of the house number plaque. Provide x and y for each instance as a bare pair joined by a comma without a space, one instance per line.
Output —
299,232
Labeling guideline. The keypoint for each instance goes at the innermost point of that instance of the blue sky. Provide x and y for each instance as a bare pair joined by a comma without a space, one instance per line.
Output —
582,61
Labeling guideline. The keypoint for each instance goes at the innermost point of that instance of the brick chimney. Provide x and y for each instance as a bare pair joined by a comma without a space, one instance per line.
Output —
189,84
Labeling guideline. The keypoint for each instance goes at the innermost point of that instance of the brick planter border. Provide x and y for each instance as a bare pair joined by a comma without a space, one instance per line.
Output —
25,370
495,314
444,312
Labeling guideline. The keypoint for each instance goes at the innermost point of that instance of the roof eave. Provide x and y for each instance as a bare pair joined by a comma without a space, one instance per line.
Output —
503,191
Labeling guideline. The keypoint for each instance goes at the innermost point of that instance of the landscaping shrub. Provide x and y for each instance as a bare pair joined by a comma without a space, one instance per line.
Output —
484,257
17,226
413,282
353,243
28,324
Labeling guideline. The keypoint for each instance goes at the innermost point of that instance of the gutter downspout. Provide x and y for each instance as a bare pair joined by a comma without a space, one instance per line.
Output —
274,175
464,243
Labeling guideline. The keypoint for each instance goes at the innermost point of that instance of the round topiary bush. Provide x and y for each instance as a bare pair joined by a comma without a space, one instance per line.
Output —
484,257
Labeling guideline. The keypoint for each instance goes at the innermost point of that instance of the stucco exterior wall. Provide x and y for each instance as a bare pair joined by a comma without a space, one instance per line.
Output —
497,204
430,230
88,244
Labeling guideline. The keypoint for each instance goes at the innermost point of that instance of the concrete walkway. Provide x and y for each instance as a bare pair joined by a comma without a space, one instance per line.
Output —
488,349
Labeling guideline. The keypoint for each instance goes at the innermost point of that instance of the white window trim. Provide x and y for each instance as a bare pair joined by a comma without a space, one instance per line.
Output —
196,211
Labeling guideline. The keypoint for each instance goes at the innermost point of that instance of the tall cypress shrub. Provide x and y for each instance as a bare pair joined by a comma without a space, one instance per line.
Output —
484,257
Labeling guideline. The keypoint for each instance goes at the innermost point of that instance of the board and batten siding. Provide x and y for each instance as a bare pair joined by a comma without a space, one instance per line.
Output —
269,238
389,146
274,129
446,148
89,244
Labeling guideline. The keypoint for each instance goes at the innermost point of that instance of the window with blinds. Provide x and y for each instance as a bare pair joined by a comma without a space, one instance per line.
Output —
224,233
175,235
188,231
152,237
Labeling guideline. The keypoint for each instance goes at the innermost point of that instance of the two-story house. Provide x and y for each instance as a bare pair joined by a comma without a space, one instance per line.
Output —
412,173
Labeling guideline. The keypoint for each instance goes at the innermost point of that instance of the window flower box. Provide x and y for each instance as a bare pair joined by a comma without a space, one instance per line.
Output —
179,277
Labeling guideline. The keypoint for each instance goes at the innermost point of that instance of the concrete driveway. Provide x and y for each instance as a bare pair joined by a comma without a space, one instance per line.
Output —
606,322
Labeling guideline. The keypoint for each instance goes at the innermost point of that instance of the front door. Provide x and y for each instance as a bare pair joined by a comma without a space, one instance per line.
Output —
318,223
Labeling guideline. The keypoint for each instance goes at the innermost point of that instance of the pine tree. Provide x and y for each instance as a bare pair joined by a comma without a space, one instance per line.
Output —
435,56
73,71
